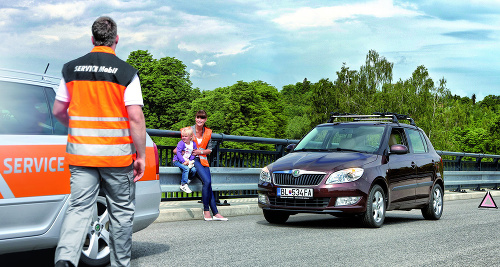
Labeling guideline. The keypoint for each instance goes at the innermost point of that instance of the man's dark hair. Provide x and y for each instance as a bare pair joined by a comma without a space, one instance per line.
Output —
104,31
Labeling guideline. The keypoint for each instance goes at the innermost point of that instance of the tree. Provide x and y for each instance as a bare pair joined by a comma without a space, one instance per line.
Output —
166,88
244,109
296,108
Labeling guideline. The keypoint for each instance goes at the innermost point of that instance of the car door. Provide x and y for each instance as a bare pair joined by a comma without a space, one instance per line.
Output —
34,181
401,173
424,163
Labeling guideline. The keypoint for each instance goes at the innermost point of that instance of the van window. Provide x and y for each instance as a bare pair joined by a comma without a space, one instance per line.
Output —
26,109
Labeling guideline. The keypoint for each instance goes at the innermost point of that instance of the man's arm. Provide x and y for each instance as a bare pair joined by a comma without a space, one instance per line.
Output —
138,133
60,111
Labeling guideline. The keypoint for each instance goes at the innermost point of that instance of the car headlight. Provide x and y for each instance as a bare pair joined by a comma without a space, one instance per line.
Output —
345,176
265,176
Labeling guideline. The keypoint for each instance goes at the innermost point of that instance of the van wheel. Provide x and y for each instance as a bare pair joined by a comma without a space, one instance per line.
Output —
277,217
95,250
434,209
375,208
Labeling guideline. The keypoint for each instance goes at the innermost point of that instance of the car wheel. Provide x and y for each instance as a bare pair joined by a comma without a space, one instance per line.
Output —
277,217
434,209
375,208
96,246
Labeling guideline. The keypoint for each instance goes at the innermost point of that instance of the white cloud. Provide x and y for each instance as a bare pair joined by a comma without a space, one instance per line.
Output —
194,73
198,63
211,64
329,16
65,11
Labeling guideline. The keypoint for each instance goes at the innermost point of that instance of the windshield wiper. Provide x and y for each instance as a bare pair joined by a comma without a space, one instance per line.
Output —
311,150
346,149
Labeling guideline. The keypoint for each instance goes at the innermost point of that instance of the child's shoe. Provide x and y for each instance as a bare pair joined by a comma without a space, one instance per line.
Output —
186,189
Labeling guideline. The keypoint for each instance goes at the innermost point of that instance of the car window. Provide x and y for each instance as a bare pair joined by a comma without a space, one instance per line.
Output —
59,129
26,109
397,137
343,137
426,148
416,142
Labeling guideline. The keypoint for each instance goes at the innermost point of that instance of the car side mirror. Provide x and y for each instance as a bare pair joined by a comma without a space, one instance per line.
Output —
399,149
290,148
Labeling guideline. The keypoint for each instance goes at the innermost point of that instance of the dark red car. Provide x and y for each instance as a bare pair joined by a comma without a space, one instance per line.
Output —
364,166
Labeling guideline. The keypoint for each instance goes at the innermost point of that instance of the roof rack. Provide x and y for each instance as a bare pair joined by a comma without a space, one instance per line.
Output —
377,116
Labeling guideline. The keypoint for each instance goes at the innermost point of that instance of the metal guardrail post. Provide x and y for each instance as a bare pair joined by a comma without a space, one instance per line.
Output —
478,163
459,163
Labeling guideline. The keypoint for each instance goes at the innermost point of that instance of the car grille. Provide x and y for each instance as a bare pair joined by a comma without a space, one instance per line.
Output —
304,179
319,202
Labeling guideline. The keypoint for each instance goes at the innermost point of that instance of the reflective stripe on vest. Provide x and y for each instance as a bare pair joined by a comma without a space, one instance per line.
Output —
207,135
99,128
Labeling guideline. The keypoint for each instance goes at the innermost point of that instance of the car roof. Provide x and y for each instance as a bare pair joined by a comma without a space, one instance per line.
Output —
24,77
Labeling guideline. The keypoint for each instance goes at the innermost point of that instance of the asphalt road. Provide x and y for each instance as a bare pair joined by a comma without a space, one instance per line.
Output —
465,236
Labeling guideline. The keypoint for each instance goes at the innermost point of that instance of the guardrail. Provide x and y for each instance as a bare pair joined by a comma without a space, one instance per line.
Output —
235,171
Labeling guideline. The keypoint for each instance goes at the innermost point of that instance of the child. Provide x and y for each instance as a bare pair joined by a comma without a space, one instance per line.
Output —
184,159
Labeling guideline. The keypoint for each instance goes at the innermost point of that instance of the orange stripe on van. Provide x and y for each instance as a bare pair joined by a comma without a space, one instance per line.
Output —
35,170
41,170
150,172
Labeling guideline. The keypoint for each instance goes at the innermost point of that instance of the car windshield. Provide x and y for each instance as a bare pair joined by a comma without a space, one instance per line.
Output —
357,138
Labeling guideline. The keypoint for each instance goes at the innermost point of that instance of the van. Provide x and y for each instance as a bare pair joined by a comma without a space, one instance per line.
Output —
35,180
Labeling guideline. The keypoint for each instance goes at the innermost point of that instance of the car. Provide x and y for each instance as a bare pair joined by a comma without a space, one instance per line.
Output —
34,179
355,165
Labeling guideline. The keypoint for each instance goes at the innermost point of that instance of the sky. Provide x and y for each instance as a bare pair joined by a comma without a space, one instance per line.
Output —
278,42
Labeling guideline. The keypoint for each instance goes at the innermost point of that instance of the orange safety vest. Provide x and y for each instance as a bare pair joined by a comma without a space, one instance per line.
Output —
207,135
99,128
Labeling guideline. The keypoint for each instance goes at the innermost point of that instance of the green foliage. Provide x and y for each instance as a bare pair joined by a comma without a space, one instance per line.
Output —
452,123
258,109
166,88
244,109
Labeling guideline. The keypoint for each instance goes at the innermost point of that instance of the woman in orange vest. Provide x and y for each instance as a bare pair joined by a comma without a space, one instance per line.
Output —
203,138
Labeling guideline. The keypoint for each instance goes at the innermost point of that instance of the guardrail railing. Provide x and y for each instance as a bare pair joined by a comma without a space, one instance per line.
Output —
462,170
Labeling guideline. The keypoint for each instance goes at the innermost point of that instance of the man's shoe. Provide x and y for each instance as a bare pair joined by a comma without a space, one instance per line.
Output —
63,263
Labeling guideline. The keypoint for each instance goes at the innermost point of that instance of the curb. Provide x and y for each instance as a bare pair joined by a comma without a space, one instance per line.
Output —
250,207
183,214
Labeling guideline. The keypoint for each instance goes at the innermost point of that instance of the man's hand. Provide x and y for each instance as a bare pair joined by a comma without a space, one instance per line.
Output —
139,167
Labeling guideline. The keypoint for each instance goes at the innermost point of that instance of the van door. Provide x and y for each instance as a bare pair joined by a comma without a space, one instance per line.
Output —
34,181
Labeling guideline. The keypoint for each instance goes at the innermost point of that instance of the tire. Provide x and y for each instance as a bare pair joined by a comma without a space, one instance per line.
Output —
434,209
277,217
375,208
95,250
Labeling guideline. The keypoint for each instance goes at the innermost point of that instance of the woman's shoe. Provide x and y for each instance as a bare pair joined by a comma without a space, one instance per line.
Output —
215,218
207,218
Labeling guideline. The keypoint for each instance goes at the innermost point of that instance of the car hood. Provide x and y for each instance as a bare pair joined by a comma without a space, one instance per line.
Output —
321,161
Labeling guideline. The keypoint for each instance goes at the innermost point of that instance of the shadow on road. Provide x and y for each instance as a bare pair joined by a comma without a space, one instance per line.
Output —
328,221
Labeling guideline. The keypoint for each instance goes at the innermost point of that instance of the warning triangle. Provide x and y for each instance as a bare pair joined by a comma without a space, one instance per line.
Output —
488,202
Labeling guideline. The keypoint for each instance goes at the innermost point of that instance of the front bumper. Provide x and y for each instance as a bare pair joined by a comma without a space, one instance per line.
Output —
323,201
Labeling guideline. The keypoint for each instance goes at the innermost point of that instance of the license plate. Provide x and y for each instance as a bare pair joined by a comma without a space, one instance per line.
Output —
302,193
